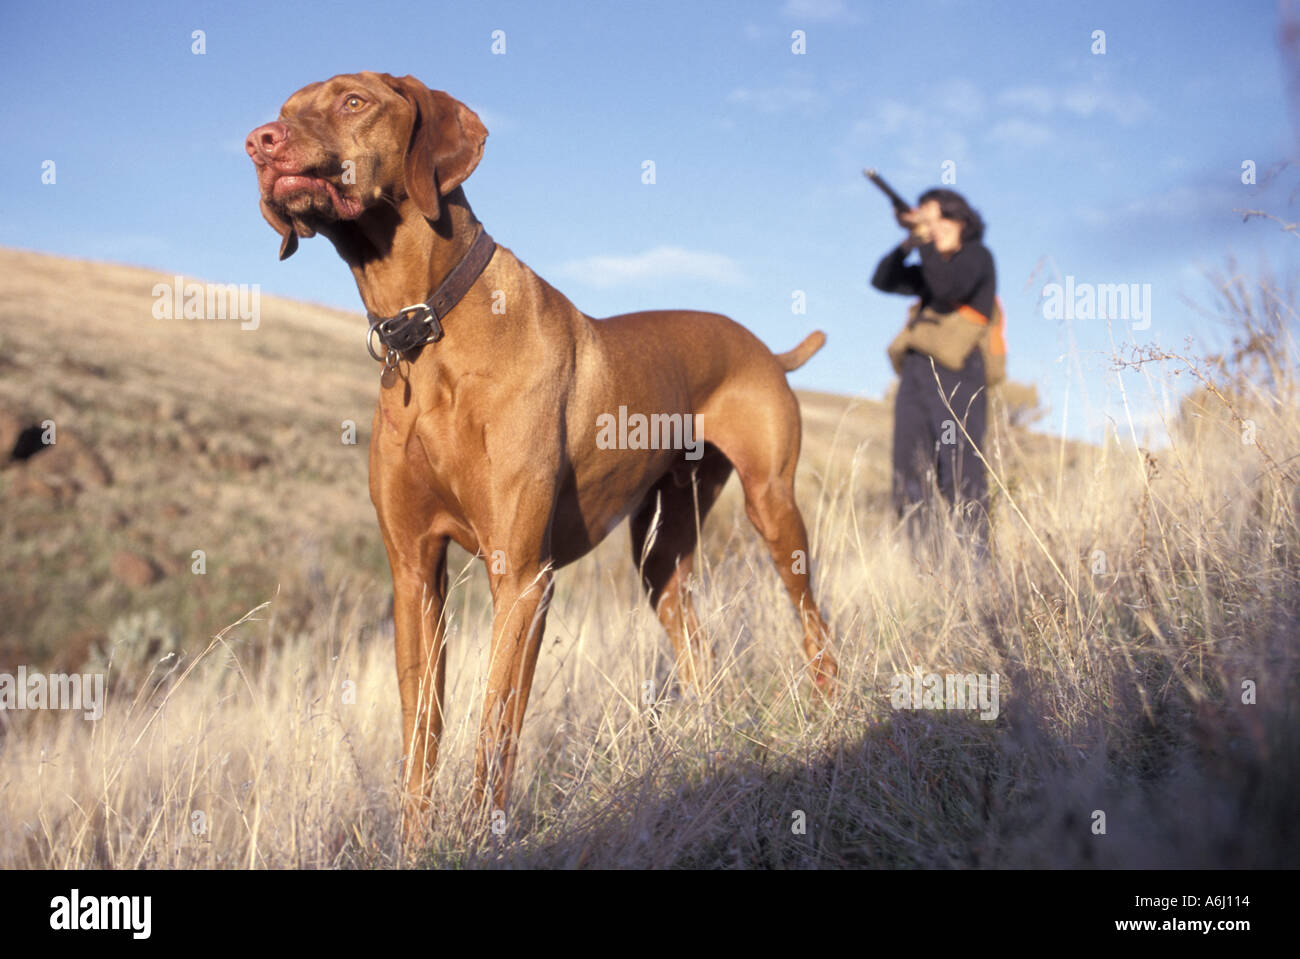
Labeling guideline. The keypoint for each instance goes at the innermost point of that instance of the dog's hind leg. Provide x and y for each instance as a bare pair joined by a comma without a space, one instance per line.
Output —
765,451
665,531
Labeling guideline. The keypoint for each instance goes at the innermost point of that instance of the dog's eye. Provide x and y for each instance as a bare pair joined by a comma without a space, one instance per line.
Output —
354,102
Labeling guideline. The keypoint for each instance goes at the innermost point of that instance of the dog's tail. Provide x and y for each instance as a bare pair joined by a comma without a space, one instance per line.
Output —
793,359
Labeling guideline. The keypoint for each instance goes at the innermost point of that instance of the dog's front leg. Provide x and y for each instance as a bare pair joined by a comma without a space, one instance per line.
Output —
519,602
419,594
512,504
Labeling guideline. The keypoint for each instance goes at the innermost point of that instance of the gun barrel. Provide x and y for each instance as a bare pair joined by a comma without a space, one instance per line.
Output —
900,205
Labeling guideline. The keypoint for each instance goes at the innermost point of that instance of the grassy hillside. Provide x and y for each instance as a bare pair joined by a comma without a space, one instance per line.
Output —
1128,599
218,439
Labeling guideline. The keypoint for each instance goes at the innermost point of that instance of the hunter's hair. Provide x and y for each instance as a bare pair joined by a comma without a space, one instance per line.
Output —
953,206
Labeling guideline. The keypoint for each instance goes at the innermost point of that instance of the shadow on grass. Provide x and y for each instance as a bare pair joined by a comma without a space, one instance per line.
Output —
937,790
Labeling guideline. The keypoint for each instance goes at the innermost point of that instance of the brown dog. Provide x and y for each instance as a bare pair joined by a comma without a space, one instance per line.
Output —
501,435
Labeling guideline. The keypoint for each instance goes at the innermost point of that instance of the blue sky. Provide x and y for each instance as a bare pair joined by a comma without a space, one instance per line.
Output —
1123,167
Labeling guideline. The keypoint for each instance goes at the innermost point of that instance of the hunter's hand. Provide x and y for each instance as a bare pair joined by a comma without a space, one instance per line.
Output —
908,219
918,228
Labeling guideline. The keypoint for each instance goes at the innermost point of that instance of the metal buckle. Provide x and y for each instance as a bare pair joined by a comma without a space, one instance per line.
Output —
435,328
384,326
370,340
412,309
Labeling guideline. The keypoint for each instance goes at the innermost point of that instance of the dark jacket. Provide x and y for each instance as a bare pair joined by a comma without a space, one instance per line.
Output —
968,277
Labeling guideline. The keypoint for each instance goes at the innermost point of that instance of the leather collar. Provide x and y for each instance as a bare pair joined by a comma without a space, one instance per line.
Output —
421,323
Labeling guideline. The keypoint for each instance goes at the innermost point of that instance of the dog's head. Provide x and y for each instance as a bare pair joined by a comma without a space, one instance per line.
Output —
356,140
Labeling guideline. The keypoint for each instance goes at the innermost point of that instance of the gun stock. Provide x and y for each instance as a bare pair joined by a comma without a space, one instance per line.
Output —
900,205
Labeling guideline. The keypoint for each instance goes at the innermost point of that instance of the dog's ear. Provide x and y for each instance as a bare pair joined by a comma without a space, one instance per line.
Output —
288,235
446,143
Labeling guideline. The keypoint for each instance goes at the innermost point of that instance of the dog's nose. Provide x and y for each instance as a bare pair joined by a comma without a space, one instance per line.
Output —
265,143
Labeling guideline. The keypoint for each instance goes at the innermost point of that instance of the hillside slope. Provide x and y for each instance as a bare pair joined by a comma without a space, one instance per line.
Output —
194,434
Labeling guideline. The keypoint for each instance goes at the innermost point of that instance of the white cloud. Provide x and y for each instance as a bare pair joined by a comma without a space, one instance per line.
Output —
891,117
1126,108
659,263
1025,134
960,97
791,96
944,117
1036,99
918,136
818,10
1183,204
1080,100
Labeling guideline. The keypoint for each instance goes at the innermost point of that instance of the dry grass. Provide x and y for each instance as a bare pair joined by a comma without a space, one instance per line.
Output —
1129,595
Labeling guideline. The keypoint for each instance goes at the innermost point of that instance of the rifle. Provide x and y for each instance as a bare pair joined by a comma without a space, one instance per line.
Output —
900,205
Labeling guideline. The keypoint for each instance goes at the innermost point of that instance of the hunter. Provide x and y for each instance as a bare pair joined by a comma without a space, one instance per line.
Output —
942,354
